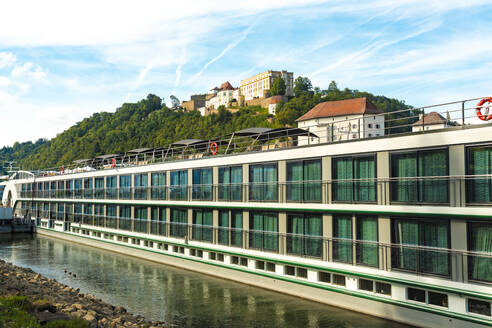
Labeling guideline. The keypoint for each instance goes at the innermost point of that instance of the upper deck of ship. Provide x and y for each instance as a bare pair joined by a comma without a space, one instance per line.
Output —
458,115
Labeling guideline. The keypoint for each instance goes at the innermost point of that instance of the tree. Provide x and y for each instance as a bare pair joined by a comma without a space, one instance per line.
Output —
333,87
174,102
302,85
278,87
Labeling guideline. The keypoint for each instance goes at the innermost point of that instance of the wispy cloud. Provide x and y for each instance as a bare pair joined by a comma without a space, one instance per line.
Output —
229,47
179,67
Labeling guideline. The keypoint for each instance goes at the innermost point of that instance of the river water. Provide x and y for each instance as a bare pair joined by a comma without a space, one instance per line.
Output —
178,297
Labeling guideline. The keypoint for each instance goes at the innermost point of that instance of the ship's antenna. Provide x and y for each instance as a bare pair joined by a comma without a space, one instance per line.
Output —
10,166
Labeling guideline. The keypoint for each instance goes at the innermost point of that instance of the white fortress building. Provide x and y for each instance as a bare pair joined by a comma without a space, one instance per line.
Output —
340,120
257,86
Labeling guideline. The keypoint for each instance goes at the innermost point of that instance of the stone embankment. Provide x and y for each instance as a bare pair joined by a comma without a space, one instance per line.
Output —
59,301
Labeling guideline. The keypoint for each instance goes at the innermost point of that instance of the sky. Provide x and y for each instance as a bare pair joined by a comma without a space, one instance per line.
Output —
62,61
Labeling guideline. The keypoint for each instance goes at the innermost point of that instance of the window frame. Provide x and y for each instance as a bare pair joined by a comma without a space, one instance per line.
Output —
417,152
353,157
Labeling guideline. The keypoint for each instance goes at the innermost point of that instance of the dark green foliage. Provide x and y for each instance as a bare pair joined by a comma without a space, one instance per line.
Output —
17,312
73,323
149,123
302,85
18,152
278,87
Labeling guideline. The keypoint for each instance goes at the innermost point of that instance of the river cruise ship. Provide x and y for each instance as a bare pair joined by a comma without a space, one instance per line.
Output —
389,214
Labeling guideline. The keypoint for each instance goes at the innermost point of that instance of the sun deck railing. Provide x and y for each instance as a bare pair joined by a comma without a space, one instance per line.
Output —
455,115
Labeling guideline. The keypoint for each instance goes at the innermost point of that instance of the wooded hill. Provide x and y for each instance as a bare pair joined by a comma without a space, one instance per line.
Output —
150,123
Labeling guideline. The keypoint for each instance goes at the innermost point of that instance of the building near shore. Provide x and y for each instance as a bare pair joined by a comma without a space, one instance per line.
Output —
432,121
259,85
342,120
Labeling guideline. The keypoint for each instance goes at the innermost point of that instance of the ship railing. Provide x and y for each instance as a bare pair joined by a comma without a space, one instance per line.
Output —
454,115
443,262
439,190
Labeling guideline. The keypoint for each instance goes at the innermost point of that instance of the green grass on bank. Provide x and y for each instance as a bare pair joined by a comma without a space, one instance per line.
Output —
18,312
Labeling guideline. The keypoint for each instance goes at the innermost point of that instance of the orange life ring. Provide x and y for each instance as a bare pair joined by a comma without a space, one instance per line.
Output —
113,163
479,109
214,148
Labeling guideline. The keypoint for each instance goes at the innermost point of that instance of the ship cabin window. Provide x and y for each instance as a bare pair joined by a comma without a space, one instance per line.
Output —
367,238
88,217
158,190
202,225
410,235
60,191
304,181
354,179
88,188
140,182
179,185
304,234
140,220
230,228
178,222
68,188
479,307
324,277
53,189
431,169
125,191
417,295
77,186
366,247
60,213
202,184
111,217
99,215
230,183
111,187
46,190
158,221
366,284
342,238
480,242
125,218
437,299
263,182
428,297
263,231
69,212
338,279
383,288
99,188
479,190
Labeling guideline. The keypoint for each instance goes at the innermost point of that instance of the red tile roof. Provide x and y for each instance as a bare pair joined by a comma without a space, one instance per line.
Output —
226,86
355,106
431,118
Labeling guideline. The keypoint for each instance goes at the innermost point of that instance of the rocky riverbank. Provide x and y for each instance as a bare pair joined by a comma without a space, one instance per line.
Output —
52,300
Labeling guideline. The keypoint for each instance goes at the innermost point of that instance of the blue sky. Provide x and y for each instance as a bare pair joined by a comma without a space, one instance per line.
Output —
61,61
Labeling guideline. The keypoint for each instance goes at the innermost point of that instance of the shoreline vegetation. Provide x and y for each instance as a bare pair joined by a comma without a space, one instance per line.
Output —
29,299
